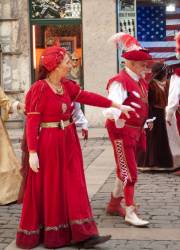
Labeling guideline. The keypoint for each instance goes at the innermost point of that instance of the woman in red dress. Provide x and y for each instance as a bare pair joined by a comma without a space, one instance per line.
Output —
56,209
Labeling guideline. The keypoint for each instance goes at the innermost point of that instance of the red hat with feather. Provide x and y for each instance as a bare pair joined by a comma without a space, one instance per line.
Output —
131,47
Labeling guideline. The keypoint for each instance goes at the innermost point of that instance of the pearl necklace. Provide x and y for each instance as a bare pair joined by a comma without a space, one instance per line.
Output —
58,88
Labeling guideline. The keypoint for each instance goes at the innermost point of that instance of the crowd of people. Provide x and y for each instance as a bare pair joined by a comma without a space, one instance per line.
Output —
143,124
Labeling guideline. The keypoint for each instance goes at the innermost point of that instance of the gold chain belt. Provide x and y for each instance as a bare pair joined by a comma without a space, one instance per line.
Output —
61,124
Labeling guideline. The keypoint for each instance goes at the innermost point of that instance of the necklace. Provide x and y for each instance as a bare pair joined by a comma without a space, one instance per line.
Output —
58,88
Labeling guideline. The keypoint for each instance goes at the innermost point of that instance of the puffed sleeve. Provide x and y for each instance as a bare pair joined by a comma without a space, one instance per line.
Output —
117,94
86,97
35,103
79,117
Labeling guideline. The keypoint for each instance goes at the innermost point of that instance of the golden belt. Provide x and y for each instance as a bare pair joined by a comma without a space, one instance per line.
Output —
61,124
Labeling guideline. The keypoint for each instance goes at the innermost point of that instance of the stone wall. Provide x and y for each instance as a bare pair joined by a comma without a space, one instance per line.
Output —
15,64
14,39
99,23
100,64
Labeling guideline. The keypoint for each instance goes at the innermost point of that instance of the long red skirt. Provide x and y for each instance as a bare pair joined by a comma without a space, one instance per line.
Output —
56,208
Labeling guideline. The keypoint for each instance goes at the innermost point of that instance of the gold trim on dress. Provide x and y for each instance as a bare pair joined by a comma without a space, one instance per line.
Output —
56,228
27,232
33,113
82,221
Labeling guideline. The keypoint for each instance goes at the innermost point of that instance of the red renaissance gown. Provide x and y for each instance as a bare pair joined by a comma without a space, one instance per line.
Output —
56,209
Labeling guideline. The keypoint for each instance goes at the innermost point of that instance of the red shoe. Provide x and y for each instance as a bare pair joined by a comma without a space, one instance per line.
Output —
114,207
177,172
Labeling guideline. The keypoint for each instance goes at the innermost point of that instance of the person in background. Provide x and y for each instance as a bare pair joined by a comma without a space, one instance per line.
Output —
56,209
10,177
75,72
173,107
174,91
77,113
158,156
80,119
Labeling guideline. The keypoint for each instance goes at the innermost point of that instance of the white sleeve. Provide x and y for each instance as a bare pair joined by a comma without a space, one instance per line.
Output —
15,106
79,117
173,98
117,94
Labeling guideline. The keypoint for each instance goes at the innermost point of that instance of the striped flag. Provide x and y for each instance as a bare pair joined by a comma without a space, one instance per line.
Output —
156,29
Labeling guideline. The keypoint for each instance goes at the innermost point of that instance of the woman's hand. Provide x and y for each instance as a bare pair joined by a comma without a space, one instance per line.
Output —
21,107
34,161
124,108
85,134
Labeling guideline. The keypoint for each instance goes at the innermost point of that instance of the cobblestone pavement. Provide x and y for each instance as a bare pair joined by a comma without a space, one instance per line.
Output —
141,245
158,194
9,215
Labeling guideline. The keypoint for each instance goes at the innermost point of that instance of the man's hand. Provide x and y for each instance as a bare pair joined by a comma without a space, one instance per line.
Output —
126,109
21,107
150,125
34,161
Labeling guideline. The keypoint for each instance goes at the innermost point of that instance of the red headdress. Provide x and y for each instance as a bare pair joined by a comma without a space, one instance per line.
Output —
52,56
131,47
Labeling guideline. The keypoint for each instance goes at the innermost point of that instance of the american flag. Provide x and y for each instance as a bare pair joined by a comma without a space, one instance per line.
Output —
156,29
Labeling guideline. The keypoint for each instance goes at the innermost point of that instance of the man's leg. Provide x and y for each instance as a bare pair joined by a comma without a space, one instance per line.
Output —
114,206
128,173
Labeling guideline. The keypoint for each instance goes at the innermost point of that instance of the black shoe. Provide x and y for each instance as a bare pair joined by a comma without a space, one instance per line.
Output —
95,240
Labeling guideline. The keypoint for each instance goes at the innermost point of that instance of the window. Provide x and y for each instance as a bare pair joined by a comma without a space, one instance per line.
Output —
126,21
57,23
57,9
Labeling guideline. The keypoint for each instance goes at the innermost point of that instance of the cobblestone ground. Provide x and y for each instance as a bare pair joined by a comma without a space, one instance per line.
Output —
9,215
158,194
141,245
159,198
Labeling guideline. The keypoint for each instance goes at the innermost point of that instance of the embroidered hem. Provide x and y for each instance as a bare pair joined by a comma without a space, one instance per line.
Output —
55,228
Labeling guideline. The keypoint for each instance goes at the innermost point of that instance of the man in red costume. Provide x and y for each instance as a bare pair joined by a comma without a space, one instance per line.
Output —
126,135
174,91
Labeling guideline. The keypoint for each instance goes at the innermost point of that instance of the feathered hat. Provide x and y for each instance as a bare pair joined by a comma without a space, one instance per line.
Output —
131,48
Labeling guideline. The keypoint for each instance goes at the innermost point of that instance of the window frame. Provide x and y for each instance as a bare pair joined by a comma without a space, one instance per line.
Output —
51,21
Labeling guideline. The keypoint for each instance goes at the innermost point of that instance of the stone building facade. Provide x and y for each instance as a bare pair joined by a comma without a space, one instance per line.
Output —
99,20
99,61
